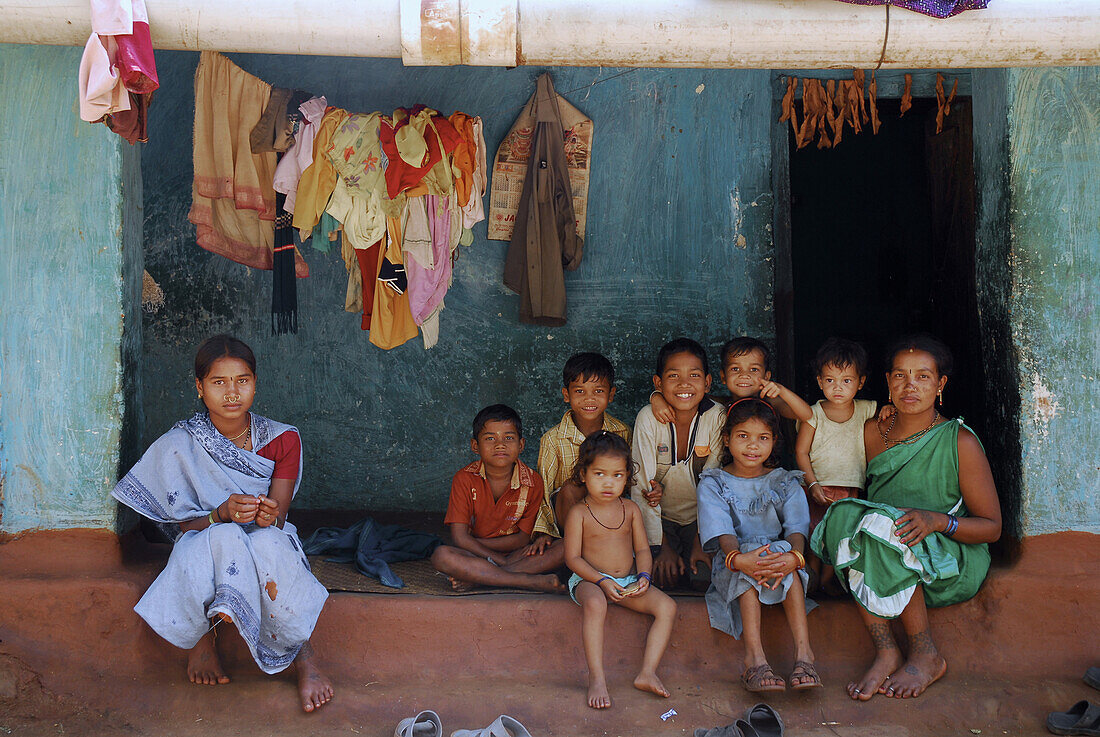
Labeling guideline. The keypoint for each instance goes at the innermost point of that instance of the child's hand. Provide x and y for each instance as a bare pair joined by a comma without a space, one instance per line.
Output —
697,556
817,492
267,513
668,567
655,494
643,586
242,508
539,545
886,412
770,390
612,590
662,410
777,566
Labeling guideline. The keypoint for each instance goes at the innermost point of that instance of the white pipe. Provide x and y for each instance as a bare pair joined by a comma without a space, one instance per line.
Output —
765,34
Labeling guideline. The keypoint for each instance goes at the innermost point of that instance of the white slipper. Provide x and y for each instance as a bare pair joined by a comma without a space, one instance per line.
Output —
424,724
502,726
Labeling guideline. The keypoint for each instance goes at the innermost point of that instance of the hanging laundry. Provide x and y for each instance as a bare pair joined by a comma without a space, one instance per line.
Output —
368,259
117,71
544,241
300,154
391,321
319,179
232,200
415,142
935,8
473,212
284,291
428,270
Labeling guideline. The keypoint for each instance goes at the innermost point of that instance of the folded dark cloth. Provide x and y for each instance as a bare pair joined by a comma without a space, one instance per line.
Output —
372,547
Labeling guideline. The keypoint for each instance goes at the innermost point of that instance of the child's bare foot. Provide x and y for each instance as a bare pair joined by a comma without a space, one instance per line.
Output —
460,586
203,665
918,673
886,662
598,698
313,687
651,683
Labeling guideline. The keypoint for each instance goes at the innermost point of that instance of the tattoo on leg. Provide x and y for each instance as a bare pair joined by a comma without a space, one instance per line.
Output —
921,643
881,637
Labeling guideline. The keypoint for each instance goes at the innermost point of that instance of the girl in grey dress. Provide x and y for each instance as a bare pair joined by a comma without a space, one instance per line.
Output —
755,518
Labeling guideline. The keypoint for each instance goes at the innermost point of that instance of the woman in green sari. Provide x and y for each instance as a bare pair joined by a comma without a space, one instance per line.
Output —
921,536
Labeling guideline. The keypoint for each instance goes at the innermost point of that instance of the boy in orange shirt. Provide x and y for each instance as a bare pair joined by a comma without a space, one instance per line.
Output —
492,511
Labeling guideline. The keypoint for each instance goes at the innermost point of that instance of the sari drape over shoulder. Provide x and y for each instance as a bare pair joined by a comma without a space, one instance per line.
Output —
257,576
858,537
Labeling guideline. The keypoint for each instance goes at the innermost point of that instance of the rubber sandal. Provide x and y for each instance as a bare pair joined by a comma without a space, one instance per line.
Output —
736,729
502,726
752,679
424,724
1092,676
765,720
1082,718
804,669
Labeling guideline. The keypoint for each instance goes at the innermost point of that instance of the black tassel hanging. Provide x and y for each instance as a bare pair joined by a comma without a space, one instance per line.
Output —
284,289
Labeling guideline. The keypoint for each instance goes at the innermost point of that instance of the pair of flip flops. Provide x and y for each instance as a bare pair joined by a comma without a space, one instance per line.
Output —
1081,718
753,678
428,724
760,721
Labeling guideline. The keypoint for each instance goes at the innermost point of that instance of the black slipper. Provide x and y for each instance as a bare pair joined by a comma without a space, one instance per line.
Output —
765,720
1092,676
1082,718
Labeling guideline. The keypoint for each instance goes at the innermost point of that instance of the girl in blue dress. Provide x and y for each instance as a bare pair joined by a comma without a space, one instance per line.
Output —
754,516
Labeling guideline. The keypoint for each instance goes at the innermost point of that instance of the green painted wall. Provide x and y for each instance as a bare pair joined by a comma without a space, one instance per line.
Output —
1053,126
64,188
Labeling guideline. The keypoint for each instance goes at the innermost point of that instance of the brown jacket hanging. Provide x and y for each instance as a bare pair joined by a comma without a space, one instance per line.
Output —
544,242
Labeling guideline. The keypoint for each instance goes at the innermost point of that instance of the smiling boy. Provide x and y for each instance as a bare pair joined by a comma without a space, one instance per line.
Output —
492,511
670,456
588,386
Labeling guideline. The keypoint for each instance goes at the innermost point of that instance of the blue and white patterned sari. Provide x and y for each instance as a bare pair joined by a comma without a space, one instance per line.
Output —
257,576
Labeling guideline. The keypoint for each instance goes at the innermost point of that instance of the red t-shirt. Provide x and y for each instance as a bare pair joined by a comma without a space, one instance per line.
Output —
472,502
286,451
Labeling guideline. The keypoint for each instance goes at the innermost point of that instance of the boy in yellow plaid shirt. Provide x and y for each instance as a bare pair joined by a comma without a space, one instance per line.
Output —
588,386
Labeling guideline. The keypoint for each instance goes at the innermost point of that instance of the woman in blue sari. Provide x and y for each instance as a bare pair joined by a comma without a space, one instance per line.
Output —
220,485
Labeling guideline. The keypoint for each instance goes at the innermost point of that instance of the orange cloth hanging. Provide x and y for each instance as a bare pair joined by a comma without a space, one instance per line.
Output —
391,321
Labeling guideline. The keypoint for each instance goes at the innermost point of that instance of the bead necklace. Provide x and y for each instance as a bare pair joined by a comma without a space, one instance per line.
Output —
601,524
912,438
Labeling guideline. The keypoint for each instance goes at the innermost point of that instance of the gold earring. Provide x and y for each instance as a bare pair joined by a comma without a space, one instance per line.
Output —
941,397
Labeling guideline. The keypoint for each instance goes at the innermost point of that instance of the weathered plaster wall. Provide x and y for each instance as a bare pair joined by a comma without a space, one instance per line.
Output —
678,242
1054,221
62,199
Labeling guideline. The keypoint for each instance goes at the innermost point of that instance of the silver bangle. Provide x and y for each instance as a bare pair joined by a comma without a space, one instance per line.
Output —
813,483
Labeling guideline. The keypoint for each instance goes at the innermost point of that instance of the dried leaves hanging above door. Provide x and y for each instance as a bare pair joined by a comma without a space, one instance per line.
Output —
827,107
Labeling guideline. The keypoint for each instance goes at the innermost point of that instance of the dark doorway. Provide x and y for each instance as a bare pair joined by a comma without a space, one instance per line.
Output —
882,244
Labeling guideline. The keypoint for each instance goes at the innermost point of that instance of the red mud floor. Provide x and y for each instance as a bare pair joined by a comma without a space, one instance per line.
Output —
76,660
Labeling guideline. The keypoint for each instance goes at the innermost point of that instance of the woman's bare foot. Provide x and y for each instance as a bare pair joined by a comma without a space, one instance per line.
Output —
918,673
203,665
651,683
314,689
885,663
598,698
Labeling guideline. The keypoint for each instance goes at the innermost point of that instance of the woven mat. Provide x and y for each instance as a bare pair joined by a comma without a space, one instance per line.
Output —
418,575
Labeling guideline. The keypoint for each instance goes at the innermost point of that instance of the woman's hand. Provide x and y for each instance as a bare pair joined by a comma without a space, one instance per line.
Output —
267,513
241,508
917,524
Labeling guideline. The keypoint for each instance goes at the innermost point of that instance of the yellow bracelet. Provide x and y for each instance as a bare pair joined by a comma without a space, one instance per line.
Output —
801,559
731,558
211,518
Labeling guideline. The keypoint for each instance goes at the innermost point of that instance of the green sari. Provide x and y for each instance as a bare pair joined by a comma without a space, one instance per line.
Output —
858,537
